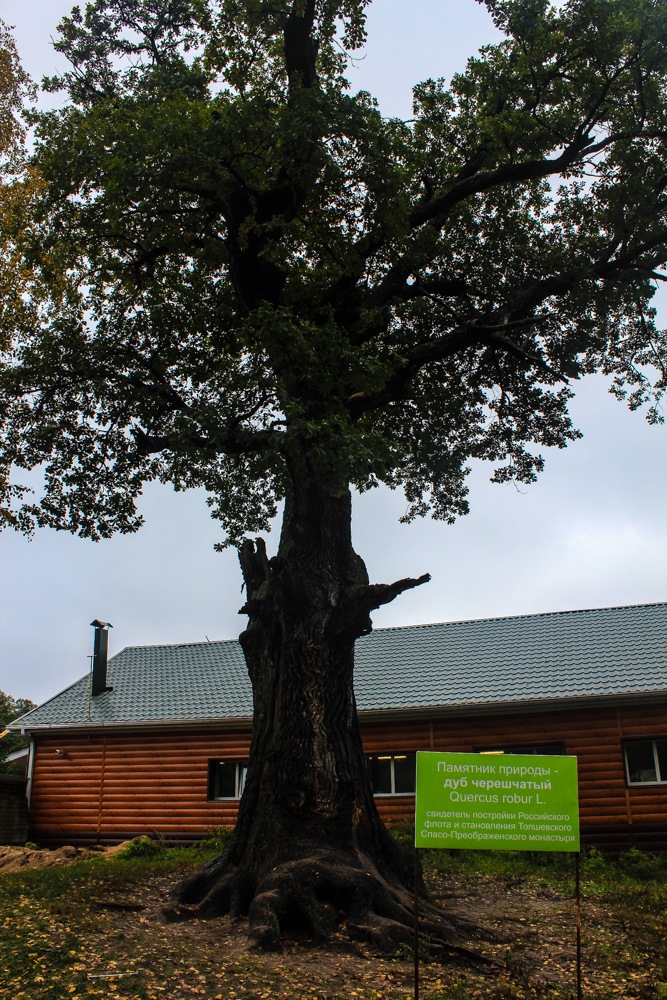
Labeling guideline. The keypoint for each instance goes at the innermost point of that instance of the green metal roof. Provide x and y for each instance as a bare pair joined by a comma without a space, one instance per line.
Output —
492,664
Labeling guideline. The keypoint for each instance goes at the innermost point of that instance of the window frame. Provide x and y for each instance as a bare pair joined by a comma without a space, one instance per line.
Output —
392,756
240,773
660,779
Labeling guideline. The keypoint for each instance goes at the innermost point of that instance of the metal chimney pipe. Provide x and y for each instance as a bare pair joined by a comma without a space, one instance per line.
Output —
100,657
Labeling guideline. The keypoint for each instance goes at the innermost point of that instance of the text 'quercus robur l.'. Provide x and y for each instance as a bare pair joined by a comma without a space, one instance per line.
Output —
512,802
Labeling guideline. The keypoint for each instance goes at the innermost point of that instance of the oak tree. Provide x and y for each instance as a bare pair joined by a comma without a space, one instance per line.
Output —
245,278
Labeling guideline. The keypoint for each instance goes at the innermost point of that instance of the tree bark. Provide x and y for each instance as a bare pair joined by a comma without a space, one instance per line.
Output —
309,847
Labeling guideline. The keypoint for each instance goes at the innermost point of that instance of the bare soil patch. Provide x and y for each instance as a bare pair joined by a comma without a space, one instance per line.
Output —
16,859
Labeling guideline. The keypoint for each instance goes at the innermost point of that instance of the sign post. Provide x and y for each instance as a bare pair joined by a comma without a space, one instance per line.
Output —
496,802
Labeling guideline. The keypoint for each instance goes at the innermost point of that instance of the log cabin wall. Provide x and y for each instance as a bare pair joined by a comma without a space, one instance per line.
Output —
108,787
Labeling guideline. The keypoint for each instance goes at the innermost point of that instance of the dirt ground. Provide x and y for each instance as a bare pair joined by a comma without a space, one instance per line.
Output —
533,940
15,859
119,943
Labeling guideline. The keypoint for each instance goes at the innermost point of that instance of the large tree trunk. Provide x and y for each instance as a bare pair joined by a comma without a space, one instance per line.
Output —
309,847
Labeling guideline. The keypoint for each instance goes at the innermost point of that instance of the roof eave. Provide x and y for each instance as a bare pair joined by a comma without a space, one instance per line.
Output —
234,722
371,715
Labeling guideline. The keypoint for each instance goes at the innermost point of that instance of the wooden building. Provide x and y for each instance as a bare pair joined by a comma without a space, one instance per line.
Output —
162,746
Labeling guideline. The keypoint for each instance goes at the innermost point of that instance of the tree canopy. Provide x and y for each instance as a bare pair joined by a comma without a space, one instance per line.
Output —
13,84
236,262
16,184
17,188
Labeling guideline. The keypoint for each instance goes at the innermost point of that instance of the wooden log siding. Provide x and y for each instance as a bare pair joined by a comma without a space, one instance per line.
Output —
108,787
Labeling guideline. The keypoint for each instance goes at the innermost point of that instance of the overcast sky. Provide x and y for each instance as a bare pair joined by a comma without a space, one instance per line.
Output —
591,533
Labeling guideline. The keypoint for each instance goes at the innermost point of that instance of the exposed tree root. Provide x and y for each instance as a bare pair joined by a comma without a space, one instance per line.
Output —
326,891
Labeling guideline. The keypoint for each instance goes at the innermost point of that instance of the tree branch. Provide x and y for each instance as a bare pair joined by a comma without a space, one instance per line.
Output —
225,442
508,173
469,335
254,567
378,594
300,46
499,340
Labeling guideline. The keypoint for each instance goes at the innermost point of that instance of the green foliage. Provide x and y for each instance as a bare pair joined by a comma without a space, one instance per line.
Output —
154,849
239,273
11,709
216,840
15,86
545,866
644,867
595,864
404,833
142,848
600,873
17,188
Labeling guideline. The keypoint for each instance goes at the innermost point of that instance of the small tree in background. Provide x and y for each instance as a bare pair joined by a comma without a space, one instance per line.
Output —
243,277
10,709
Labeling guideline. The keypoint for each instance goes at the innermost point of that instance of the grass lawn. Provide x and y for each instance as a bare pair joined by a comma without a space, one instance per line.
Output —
91,928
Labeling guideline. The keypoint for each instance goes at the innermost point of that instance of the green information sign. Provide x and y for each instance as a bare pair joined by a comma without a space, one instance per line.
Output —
500,802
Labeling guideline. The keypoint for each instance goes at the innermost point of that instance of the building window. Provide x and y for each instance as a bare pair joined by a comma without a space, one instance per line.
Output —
226,778
646,761
392,773
547,749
